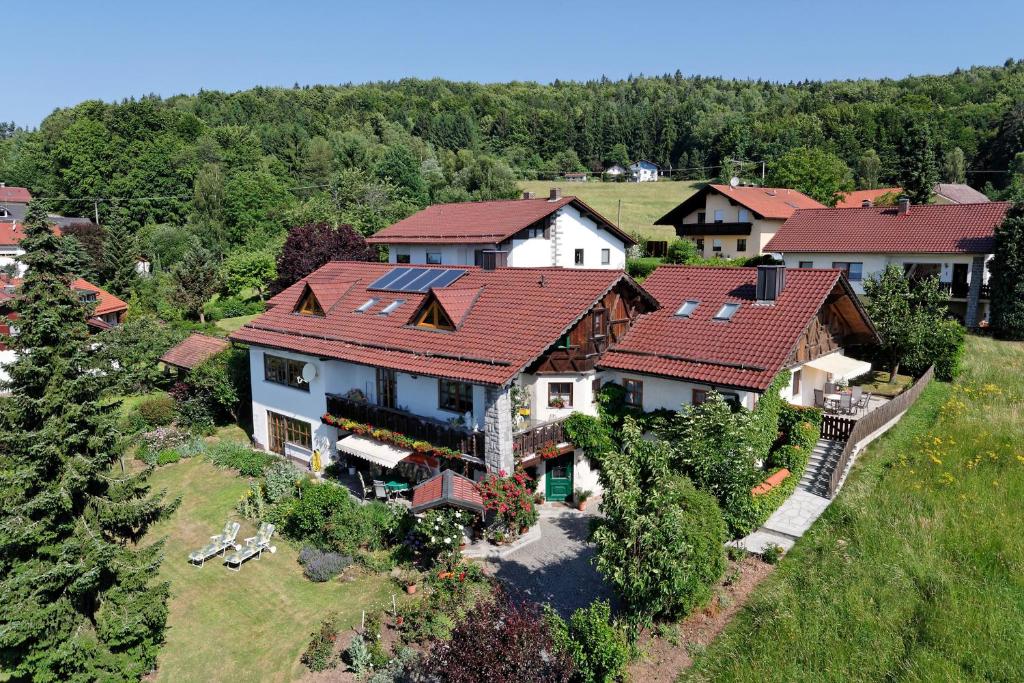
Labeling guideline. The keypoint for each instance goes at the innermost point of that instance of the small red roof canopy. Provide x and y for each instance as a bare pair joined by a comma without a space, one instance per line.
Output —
447,488
195,349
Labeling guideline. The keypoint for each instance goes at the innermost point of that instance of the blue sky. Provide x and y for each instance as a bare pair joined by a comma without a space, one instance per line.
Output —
60,53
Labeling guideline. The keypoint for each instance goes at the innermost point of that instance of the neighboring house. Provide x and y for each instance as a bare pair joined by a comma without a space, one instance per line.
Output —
574,177
857,198
614,171
643,171
951,241
732,222
957,193
521,233
13,202
733,330
484,362
11,235
109,312
191,352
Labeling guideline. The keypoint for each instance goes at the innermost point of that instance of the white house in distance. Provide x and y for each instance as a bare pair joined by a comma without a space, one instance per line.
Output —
521,233
614,171
733,330
469,365
643,171
951,241
731,222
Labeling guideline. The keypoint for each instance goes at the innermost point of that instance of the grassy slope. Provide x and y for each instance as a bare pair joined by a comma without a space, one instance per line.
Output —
642,203
916,572
229,325
251,625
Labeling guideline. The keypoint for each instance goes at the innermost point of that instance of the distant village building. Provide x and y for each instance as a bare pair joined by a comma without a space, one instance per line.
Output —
13,202
957,193
643,171
575,177
614,171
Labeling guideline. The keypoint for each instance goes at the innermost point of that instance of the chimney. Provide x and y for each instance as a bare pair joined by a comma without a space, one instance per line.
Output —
491,259
771,280
866,204
903,206
529,195
555,194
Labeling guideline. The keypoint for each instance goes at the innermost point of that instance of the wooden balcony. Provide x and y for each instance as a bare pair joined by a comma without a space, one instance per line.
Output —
705,229
528,441
415,426
962,290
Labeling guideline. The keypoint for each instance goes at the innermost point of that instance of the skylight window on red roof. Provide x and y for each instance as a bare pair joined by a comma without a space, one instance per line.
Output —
727,311
367,305
687,309
391,307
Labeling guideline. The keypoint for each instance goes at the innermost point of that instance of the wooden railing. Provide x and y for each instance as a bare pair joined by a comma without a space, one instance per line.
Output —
533,439
415,426
961,290
873,421
837,428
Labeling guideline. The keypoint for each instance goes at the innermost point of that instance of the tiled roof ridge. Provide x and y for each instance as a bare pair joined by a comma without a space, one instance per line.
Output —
564,197
913,207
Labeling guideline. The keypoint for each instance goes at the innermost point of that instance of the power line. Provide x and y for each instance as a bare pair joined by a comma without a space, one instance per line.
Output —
93,200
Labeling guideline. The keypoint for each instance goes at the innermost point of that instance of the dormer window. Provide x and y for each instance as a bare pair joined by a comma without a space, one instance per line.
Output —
727,311
391,307
687,309
367,305
308,305
434,318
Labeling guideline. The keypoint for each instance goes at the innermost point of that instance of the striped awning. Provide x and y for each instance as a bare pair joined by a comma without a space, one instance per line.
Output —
840,366
377,452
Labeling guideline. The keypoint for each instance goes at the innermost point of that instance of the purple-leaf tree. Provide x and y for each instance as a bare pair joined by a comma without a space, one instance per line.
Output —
312,245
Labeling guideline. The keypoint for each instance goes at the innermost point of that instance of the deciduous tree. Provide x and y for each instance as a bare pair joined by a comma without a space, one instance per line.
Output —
243,270
918,172
310,246
815,172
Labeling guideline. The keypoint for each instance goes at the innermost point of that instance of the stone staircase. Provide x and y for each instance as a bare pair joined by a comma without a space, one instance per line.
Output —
820,466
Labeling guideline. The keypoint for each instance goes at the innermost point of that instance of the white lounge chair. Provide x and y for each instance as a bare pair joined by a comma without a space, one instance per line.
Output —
217,545
254,547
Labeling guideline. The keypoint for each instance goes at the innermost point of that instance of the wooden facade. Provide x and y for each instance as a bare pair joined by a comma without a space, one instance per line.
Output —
604,324
837,325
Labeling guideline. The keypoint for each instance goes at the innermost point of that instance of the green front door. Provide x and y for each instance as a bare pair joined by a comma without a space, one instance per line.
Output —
558,478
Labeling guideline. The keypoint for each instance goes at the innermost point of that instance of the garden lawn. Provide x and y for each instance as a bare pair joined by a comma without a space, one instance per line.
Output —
877,382
916,571
642,203
229,325
251,625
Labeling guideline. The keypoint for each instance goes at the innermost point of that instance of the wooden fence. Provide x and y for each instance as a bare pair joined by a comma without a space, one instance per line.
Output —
836,427
873,421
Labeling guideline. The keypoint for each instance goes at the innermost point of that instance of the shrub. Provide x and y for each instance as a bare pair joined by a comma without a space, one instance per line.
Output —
772,553
319,654
163,438
248,462
640,268
793,458
157,411
167,457
503,640
439,533
599,648
232,307
279,481
319,566
941,345
681,251
510,498
358,656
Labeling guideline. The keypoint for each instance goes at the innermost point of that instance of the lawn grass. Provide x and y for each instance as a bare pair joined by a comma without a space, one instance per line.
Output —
229,325
877,382
916,571
642,203
251,625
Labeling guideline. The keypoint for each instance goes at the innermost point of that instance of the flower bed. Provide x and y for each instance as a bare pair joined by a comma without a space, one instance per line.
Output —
388,436
511,500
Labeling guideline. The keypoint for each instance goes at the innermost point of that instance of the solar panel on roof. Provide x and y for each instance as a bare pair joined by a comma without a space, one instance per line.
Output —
416,279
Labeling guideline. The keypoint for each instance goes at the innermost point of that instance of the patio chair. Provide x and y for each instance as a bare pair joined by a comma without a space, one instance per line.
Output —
380,491
819,398
865,401
846,404
254,547
217,545
856,396
830,388
362,485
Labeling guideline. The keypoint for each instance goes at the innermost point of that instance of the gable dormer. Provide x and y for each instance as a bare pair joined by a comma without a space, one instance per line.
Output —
308,304
318,298
445,308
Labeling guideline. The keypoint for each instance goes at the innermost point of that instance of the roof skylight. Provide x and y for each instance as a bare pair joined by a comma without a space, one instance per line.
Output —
368,305
391,307
687,309
727,311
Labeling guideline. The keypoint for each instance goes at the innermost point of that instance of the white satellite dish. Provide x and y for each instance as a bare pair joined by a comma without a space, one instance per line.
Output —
308,372
734,181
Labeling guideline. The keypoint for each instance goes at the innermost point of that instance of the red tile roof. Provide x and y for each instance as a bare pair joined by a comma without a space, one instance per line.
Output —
447,488
958,193
745,352
489,222
854,200
11,234
15,195
767,202
195,349
105,301
456,301
544,303
926,229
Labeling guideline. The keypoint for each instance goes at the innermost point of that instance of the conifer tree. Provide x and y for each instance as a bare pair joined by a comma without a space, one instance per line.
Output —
918,169
196,280
120,253
78,602
1008,276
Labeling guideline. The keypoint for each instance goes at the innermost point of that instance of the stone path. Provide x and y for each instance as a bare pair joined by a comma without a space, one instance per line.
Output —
557,568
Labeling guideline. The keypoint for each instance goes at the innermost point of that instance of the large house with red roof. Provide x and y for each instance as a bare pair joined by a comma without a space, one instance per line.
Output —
733,222
469,365
520,233
733,330
953,242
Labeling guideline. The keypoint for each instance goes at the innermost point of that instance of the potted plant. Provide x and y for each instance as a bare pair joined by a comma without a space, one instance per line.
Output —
581,498
556,402
410,587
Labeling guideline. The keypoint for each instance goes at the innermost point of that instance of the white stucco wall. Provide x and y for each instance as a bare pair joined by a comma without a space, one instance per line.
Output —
810,379
876,263
451,254
576,232
584,475
670,394
537,389
9,255
761,230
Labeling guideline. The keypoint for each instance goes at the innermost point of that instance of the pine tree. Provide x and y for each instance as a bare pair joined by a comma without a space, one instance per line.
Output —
77,601
120,254
1008,276
196,280
918,173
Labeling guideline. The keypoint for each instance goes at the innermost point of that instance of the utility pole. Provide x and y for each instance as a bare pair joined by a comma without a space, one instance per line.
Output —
618,214
96,210
762,172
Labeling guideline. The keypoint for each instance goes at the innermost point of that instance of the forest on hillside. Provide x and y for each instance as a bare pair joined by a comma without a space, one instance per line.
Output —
236,169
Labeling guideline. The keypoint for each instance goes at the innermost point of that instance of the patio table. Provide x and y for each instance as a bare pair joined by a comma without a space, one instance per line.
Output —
396,486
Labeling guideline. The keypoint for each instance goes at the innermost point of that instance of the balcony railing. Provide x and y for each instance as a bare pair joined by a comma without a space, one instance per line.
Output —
528,441
961,290
704,229
414,426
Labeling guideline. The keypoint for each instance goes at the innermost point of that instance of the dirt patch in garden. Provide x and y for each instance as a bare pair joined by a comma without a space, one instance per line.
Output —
667,650
390,638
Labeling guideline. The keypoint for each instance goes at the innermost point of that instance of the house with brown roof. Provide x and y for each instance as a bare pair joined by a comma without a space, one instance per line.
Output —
192,352
732,330
953,242
733,222
529,232
425,367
